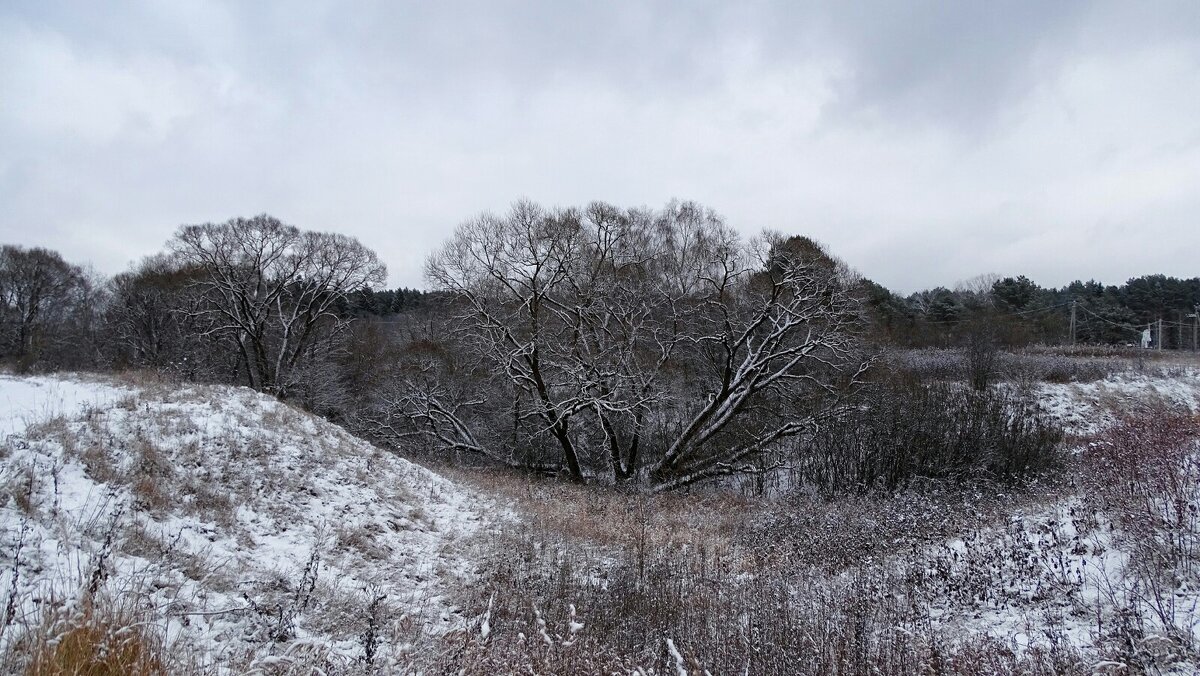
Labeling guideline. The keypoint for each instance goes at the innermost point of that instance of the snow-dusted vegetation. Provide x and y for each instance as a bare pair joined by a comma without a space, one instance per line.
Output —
209,529
220,529
1089,570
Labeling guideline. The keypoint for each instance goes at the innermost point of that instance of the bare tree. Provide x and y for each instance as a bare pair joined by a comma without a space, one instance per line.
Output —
431,397
780,347
651,343
976,292
39,294
152,320
512,272
273,289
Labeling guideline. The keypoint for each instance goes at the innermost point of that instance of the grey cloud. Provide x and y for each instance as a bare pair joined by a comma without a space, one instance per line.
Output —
923,142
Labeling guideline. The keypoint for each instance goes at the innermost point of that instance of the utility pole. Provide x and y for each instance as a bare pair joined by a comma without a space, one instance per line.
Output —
1073,302
1196,329
1158,339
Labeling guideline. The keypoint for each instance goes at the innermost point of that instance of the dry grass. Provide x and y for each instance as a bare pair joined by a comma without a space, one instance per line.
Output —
95,646
363,540
18,486
611,518
100,635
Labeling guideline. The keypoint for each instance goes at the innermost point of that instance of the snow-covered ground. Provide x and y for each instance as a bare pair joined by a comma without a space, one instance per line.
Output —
1086,408
252,532
30,399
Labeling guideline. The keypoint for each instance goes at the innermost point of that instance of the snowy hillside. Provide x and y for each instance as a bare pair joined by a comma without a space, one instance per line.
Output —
1111,569
256,532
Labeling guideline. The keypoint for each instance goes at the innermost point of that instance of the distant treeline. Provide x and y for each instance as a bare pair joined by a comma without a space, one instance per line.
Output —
1016,310
386,302
1019,312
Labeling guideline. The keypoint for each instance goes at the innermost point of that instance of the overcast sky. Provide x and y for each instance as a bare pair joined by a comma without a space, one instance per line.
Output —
923,142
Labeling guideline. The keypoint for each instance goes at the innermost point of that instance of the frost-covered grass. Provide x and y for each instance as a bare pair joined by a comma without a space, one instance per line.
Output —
235,531
1043,364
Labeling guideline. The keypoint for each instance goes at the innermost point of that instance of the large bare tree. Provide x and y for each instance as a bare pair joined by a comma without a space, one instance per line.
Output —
273,289
657,345
777,339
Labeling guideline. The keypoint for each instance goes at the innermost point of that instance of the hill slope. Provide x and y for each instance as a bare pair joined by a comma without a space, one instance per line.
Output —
256,532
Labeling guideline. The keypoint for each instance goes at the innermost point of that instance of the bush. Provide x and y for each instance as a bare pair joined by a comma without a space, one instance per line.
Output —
906,431
983,354
1143,474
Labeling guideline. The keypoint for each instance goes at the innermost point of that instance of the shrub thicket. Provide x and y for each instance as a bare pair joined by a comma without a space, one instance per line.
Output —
905,431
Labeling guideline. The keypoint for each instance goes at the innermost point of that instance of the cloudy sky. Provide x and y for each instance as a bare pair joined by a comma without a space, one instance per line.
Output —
923,142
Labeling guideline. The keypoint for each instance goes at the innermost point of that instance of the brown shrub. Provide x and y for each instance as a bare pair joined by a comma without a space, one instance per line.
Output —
1144,473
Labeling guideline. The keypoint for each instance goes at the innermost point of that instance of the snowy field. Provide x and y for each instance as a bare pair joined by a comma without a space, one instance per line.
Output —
1110,563
251,533
29,399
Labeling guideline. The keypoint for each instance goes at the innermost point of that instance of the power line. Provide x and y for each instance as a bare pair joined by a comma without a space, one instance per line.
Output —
1017,313
1129,327
1040,309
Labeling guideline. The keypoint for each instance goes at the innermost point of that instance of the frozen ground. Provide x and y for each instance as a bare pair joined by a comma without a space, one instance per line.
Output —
252,531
